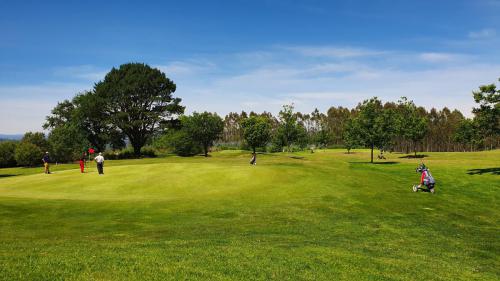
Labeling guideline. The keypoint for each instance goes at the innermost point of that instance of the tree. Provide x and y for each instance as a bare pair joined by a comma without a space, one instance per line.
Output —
7,154
375,125
466,133
36,138
412,126
67,143
351,134
138,101
288,130
203,128
256,131
487,115
28,154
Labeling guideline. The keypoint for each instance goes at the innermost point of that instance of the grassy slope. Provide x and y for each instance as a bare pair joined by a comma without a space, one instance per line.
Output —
317,216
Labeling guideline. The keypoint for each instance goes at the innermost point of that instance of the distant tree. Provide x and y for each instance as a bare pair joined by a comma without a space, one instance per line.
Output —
375,125
7,154
466,134
412,126
28,154
36,138
288,131
67,143
256,131
204,128
487,115
138,101
179,142
351,134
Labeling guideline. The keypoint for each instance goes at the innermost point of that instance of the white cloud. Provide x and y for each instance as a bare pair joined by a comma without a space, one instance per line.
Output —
334,52
437,57
281,76
83,72
483,34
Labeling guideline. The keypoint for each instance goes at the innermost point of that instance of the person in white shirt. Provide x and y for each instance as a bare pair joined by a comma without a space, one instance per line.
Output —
99,159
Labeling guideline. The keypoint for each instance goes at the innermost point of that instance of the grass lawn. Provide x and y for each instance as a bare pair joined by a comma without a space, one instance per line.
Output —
301,216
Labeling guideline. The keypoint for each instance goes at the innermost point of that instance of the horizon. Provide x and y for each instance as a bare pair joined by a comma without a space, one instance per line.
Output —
238,56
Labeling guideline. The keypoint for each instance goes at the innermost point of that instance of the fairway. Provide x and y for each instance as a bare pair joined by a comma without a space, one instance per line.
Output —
294,216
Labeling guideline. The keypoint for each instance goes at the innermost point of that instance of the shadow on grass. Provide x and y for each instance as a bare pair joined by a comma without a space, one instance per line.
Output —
377,163
414,156
493,171
297,157
7,175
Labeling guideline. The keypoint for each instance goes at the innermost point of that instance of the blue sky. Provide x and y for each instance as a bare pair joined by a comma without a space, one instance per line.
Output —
249,55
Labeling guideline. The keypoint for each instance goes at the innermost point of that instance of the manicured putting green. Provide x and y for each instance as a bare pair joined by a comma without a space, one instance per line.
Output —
300,216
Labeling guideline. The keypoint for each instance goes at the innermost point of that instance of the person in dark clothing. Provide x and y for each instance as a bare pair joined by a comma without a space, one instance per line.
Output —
46,161
254,159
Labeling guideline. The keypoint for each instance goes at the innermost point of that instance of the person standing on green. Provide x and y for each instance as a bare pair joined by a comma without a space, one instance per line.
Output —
46,161
100,163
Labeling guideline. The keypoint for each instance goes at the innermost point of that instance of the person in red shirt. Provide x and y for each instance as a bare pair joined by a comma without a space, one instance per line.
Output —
82,162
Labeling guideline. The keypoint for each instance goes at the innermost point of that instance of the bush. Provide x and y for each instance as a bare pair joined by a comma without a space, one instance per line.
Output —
28,154
128,153
182,144
7,154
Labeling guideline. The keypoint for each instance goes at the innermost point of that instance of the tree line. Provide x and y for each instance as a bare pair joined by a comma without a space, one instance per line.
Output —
134,106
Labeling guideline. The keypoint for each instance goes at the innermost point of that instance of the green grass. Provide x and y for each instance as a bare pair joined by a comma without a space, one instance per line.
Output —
302,216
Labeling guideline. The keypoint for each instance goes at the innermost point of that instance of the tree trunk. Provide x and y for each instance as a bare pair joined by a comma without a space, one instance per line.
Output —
372,155
205,149
137,149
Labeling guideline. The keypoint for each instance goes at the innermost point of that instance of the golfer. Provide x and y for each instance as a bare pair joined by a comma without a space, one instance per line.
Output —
82,162
100,163
254,159
46,160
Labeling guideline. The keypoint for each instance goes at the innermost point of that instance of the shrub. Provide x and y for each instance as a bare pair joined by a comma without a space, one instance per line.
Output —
7,154
183,144
28,154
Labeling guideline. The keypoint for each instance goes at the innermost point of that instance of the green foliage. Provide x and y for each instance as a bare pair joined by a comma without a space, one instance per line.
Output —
67,143
351,135
412,126
38,139
128,153
28,154
138,100
466,133
256,131
487,115
289,131
7,154
203,128
374,124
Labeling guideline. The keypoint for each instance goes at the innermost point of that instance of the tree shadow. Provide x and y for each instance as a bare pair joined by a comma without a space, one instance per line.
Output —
7,175
493,171
414,156
376,163
297,157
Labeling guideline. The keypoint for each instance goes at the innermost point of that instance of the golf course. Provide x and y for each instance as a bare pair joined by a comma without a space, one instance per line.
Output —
326,215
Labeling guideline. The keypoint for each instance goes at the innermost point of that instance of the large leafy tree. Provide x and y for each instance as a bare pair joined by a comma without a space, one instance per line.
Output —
487,115
256,131
374,124
138,101
85,113
204,128
412,125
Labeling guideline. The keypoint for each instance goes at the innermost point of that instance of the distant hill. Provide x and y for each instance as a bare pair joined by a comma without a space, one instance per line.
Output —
4,137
